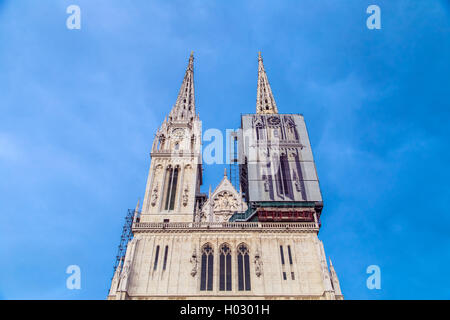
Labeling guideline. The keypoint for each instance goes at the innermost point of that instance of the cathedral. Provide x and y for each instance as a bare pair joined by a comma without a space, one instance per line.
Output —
258,242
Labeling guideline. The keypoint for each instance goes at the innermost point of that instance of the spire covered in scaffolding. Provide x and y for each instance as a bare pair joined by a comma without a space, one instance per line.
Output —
265,102
184,108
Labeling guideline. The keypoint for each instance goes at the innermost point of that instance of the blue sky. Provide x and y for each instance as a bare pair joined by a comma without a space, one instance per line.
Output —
79,109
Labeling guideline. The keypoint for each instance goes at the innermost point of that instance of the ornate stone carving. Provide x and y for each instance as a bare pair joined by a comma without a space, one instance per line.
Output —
154,195
194,262
185,195
258,264
222,203
178,132
225,201
124,277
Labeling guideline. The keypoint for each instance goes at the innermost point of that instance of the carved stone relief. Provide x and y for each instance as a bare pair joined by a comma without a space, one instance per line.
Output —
185,195
258,264
194,262
154,195
225,201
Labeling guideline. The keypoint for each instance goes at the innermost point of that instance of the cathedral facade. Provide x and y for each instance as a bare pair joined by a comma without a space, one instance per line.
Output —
258,242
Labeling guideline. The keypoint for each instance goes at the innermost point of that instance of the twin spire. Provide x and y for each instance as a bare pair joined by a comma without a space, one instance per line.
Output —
265,102
184,108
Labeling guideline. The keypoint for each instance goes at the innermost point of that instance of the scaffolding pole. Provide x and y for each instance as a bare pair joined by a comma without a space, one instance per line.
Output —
127,235
234,170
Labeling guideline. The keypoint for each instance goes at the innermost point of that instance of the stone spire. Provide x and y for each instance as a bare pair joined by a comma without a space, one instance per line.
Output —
265,102
184,108
136,211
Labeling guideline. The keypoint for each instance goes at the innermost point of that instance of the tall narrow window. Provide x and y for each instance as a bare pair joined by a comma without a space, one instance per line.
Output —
165,257
171,188
225,268
168,184
260,132
279,180
283,177
282,255
289,254
155,265
284,171
206,275
243,259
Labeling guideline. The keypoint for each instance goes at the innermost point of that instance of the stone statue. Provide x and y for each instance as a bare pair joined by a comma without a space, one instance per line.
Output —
124,277
155,195
258,264
194,263
185,196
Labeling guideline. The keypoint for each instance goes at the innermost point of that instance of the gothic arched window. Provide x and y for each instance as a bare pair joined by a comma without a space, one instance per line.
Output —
206,275
171,190
225,268
243,260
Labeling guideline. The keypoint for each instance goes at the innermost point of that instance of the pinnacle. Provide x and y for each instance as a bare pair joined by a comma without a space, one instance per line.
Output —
265,102
184,108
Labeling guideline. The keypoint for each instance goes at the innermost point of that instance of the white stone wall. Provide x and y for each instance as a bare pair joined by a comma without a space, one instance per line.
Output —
177,282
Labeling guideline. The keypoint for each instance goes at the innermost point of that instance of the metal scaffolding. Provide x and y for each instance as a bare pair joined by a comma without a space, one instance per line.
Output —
127,235
234,169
